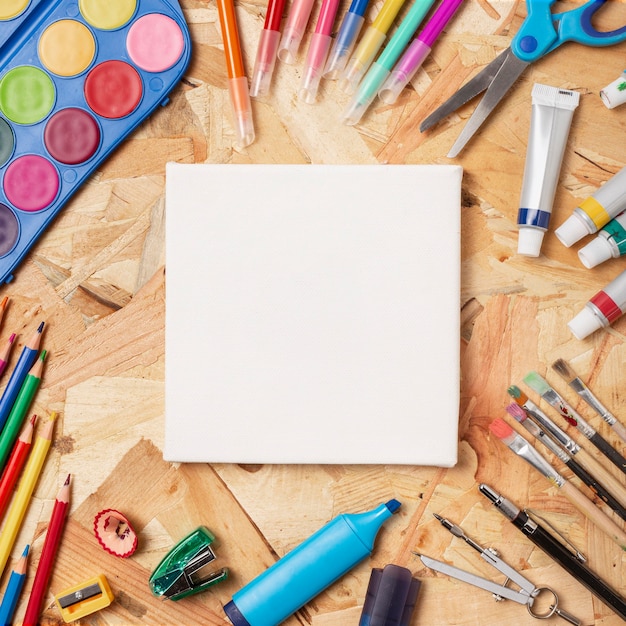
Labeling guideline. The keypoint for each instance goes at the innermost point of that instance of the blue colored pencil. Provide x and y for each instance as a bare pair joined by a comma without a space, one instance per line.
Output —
13,590
22,367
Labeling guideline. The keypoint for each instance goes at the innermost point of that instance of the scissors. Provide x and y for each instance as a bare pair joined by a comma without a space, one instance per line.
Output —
540,33
527,593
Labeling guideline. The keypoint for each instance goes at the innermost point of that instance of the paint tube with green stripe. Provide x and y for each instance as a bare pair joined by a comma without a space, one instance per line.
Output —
595,211
609,244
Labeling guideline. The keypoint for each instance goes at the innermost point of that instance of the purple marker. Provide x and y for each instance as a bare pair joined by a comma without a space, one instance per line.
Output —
419,49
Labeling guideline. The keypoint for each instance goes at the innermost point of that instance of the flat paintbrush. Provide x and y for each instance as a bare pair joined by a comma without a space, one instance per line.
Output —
541,386
522,448
579,386
585,458
536,431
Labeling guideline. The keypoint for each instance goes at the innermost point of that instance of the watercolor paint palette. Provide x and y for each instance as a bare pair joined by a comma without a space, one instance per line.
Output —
76,77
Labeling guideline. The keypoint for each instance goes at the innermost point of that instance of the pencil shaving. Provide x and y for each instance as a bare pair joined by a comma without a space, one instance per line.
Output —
114,533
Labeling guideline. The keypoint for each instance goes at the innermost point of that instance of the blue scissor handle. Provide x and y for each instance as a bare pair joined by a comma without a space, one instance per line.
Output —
542,32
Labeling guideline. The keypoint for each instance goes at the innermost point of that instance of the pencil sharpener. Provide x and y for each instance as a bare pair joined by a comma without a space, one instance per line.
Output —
84,599
186,568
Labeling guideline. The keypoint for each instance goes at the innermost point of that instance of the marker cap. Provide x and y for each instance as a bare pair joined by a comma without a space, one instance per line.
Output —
597,251
529,241
585,323
614,93
573,229
264,63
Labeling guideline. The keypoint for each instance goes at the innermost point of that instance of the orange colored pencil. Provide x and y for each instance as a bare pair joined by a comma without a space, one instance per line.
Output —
48,553
15,464
4,353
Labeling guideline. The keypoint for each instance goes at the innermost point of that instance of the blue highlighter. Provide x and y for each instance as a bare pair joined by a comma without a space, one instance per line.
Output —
309,568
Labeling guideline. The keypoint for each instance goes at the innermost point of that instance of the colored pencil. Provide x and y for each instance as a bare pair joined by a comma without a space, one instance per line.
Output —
25,489
3,306
4,353
20,408
15,465
13,590
48,554
24,363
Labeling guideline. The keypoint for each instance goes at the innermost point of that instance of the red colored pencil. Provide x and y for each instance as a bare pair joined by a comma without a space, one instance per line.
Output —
48,553
15,464
4,353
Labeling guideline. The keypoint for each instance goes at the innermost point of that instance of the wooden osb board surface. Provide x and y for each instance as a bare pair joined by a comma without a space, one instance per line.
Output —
98,280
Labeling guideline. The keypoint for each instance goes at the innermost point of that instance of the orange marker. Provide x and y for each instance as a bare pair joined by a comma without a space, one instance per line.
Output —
237,81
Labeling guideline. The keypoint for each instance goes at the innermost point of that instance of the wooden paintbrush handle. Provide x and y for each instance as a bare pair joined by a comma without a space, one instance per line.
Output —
602,475
594,514
619,429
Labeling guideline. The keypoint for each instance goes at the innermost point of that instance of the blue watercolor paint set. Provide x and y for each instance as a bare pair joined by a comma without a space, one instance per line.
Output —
76,77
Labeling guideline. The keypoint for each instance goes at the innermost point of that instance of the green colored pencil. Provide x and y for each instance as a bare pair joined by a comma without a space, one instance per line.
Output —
24,399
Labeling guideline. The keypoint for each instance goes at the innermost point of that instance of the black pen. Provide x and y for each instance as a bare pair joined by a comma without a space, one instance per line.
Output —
554,548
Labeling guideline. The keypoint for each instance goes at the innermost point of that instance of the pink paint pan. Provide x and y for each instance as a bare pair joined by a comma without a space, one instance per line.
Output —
76,78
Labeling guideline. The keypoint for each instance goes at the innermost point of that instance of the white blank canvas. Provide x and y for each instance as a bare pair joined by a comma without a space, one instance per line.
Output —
312,313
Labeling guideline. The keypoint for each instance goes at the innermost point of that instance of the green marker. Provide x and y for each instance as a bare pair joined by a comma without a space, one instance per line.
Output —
23,401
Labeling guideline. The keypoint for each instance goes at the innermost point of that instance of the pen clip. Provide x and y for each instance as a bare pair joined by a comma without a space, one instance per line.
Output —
562,538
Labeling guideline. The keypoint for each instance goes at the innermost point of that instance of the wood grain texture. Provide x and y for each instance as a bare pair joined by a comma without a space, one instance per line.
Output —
98,279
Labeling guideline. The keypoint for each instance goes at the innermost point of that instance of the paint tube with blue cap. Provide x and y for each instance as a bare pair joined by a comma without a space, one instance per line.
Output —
552,112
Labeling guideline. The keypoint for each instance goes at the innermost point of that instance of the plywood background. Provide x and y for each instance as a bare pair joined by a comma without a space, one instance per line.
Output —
98,280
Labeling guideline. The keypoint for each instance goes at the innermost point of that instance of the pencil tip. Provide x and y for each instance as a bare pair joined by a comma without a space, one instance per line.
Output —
67,480
40,328
42,356
12,337
33,418
26,549
4,301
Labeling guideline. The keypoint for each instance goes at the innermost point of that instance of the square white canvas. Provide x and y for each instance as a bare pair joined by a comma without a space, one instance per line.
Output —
312,313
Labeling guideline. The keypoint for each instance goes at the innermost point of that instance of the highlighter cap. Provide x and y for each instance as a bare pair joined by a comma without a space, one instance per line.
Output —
597,251
614,93
391,597
264,63
573,229
529,241
585,323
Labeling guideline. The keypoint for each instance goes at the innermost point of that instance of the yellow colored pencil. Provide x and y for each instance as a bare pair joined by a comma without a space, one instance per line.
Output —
25,490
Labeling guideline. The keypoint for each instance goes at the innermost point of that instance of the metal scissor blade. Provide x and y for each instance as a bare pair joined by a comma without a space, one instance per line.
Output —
470,90
477,581
511,69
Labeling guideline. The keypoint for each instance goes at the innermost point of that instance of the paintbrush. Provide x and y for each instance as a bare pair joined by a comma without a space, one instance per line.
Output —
579,386
517,412
541,386
522,448
585,458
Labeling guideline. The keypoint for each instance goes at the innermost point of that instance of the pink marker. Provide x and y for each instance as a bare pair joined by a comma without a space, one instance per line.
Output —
318,51
603,309
4,353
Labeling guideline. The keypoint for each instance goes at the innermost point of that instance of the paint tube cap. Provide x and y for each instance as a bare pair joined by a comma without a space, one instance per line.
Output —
596,251
573,229
585,323
529,241
614,93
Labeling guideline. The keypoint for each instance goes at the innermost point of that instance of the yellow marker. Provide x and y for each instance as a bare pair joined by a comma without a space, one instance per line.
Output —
369,45
84,599
25,490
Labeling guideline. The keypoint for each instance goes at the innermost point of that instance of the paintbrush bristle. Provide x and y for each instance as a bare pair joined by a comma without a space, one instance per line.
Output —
536,383
564,370
502,430
516,411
